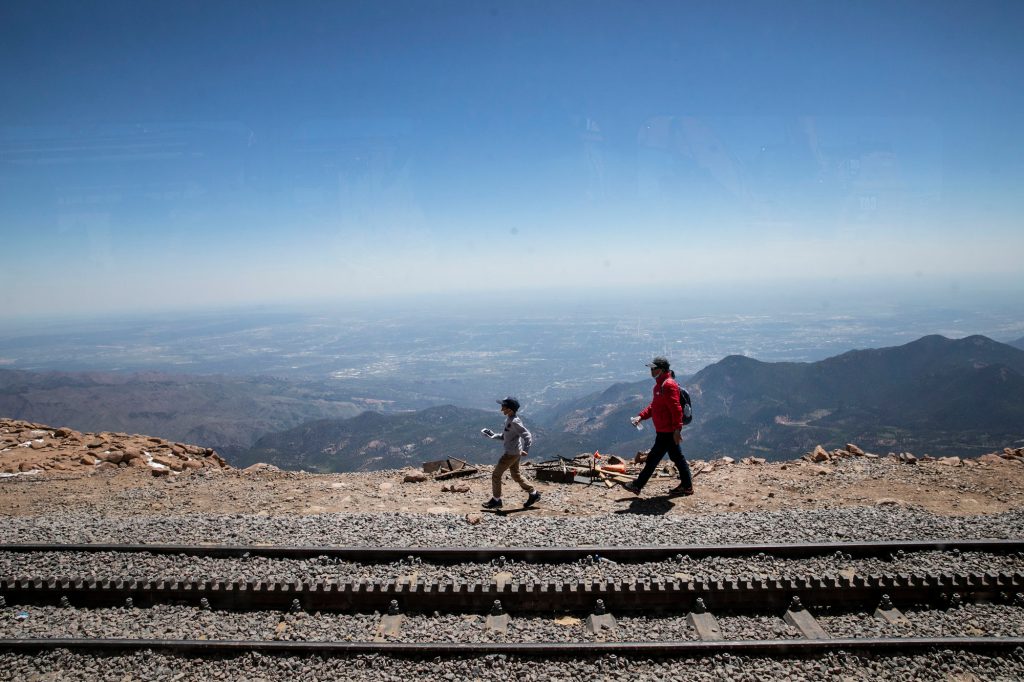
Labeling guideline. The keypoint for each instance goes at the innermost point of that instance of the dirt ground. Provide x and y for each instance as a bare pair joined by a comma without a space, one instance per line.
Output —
78,478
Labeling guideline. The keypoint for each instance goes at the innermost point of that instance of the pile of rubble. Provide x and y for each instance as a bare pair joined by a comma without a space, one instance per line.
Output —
28,448
820,454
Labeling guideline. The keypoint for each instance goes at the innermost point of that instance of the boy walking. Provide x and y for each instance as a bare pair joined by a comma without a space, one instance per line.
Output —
517,441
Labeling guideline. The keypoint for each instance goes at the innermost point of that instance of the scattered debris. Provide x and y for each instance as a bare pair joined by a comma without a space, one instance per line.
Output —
449,468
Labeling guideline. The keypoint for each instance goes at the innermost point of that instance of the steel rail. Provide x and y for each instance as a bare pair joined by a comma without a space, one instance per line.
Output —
623,554
790,647
723,595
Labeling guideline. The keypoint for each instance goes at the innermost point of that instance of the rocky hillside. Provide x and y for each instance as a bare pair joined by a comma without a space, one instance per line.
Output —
376,441
222,412
27,448
933,395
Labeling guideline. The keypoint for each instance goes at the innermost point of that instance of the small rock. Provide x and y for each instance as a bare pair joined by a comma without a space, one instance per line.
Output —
950,461
990,459
819,455
474,519
854,450
416,477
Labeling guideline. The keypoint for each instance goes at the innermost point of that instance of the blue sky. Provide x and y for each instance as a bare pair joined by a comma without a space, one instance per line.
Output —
171,155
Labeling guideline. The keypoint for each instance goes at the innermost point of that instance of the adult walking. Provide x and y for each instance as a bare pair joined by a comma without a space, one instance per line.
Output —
666,411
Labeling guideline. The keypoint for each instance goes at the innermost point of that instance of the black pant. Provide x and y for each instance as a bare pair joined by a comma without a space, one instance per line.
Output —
664,441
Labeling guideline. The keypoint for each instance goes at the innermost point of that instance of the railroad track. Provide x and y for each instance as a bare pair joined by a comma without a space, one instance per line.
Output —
798,612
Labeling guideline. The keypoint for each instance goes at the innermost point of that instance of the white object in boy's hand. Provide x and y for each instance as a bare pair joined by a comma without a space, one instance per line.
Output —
636,422
487,432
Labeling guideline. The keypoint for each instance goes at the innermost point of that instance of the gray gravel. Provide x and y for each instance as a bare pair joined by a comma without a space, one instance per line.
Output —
449,530
146,566
937,666
408,530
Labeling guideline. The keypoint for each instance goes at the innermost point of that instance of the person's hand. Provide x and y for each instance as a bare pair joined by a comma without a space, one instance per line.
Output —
634,420
524,453
678,437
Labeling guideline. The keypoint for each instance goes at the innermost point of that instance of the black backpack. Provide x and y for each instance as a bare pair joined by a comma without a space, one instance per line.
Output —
684,400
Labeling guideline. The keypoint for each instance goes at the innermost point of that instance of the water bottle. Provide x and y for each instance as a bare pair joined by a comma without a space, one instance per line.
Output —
639,425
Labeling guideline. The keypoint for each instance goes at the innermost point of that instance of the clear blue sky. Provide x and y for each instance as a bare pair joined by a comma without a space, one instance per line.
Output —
160,155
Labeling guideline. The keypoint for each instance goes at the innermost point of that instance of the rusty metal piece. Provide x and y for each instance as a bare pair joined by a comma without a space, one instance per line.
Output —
704,623
889,613
706,626
497,619
390,623
600,619
802,620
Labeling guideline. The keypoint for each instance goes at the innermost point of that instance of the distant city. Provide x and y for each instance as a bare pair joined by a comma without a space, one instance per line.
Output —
400,360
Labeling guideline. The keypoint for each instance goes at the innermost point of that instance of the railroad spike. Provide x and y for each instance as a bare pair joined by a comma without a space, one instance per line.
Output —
129,603
204,604
496,609
295,606
64,602
393,608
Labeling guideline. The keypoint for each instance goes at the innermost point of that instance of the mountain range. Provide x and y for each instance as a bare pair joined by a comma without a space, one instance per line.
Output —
931,396
226,413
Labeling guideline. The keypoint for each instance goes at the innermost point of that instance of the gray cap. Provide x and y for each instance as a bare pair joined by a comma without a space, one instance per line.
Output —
659,362
510,402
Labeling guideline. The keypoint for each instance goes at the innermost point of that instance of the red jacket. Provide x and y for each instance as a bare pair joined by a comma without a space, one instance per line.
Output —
665,409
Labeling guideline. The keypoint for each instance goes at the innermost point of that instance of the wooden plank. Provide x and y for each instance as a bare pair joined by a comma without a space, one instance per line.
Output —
468,471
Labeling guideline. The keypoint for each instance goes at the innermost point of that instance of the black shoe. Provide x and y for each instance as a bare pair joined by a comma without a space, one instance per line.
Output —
680,491
492,504
533,498
631,487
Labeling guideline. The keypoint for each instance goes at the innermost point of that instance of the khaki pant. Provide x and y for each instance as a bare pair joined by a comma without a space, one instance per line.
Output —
510,463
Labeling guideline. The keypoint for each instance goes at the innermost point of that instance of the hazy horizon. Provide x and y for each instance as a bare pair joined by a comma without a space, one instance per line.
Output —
159,158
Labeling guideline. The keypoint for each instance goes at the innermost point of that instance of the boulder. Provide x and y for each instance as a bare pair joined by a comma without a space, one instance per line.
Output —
819,455
88,460
260,466
950,461
415,477
990,459
172,463
112,456
727,460
854,450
